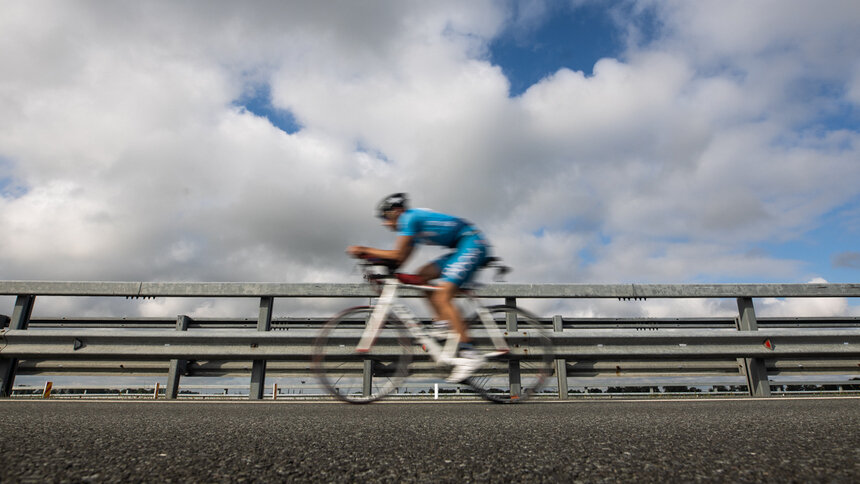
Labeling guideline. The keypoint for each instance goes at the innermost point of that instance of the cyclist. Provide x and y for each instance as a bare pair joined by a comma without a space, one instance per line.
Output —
422,226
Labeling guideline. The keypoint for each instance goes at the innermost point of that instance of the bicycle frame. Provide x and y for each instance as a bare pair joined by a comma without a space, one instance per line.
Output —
441,355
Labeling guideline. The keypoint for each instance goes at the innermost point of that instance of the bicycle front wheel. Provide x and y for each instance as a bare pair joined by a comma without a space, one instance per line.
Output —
361,377
521,372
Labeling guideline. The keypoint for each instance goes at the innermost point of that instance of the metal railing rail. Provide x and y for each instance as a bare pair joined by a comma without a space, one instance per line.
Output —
569,323
278,345
334,290
755,350
614,368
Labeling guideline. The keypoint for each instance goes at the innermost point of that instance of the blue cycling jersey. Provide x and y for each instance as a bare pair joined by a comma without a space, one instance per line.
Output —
433,228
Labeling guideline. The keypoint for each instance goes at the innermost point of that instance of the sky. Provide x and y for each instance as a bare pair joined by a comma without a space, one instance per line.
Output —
621,141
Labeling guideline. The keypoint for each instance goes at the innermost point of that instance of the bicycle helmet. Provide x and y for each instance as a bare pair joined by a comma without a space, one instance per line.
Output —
396,200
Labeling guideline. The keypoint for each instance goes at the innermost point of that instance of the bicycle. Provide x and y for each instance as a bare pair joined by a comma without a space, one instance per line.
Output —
367,352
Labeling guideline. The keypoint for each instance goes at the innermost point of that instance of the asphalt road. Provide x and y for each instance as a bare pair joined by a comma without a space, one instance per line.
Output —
775,440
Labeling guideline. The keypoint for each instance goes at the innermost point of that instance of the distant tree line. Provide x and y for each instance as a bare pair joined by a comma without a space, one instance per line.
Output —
717,389
97,391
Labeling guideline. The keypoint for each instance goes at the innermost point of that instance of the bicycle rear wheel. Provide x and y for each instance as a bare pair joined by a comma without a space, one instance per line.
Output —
519,374
361,377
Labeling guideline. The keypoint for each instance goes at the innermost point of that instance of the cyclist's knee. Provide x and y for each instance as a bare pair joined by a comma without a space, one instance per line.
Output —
446,292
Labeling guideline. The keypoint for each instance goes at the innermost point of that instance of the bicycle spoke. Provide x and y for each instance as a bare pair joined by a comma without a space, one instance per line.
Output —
520,373
361,377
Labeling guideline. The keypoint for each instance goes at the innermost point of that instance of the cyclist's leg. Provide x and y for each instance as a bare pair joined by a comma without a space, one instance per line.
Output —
432,270
459,268
465,263
442,301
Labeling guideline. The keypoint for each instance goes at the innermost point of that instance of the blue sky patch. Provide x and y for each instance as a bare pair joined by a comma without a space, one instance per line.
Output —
10,186
360,147
257,99
821,247
575,38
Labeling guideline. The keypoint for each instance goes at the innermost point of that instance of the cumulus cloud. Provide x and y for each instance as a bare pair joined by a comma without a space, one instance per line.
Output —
807,307
126,153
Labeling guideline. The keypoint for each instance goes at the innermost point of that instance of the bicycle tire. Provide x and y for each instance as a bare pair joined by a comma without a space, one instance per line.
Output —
531,357
343,372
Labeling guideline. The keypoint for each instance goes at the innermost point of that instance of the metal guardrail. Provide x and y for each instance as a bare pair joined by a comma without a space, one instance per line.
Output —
331,290
297,345
584,347
568,323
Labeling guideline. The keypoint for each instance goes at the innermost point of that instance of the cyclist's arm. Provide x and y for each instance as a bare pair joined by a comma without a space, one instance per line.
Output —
402,250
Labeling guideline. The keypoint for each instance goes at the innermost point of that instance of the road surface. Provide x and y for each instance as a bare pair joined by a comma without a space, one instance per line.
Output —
730,440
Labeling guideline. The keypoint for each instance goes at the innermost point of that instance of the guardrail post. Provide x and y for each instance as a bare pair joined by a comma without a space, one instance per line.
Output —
7,376
367,377
560,363
258,368
514,375
20,320
177,367
754,369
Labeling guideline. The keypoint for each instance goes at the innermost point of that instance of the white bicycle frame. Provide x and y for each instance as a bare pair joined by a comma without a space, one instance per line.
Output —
441,355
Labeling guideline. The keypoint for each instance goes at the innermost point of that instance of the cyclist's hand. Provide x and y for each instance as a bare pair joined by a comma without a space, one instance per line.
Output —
357,251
